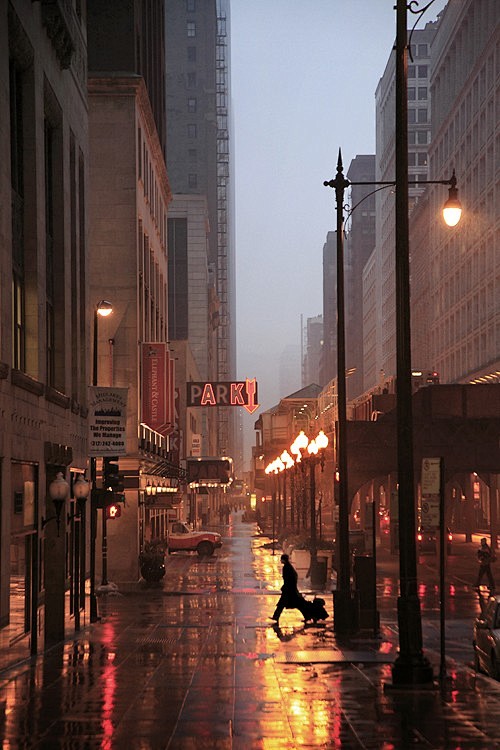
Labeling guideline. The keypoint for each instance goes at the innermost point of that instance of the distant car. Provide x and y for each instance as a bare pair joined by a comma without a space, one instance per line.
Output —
428,540
182,537
486,639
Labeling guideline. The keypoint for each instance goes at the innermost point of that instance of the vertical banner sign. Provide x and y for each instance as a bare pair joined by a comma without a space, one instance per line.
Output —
107,421
158,388
431,473
171,417
154,385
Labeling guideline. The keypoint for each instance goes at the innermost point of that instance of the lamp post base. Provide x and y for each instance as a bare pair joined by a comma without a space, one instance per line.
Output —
345,612
411,668
413,672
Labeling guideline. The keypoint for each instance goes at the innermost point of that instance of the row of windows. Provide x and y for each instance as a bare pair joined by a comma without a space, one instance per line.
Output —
418,137
419,50
28,245
152,192
418,71
419,116
417,92
152,292
417,158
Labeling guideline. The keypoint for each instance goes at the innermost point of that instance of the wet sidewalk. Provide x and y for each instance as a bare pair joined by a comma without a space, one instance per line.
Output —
195,663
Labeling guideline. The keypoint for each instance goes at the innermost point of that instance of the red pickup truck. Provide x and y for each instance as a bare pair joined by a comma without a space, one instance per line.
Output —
182,538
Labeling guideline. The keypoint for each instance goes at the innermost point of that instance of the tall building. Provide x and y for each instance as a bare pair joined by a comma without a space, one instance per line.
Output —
313,350
455,272
359,244
328,365
289,369
419,139
199,161
128,199
44,313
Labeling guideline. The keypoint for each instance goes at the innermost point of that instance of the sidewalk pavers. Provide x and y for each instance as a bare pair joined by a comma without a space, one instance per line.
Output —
195,663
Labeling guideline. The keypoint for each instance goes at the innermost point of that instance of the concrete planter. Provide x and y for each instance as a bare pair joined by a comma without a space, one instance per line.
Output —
301,561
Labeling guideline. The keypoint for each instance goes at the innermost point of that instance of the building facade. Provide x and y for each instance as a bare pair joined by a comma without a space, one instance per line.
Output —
419,138
199,159
461,331
44,334
359,244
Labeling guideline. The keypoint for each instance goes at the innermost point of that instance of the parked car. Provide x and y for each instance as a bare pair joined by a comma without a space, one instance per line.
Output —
486,639
428,540
182,537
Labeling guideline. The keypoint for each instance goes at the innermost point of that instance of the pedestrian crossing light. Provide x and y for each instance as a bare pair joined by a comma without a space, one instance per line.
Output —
113,480
113,511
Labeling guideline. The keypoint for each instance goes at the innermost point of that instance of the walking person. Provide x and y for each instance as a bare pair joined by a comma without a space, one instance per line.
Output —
485,558
290,596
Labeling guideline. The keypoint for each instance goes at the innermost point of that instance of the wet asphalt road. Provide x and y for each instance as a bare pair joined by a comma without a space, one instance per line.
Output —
195,663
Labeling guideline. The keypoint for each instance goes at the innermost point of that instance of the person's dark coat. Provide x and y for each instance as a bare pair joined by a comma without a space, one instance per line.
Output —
289,591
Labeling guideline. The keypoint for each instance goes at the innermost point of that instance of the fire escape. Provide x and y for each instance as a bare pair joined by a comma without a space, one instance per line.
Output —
223,331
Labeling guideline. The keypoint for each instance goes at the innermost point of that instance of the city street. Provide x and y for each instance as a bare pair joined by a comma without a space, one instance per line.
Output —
196,663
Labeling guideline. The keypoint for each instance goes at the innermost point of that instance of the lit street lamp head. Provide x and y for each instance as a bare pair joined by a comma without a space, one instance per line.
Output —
452,209
104,308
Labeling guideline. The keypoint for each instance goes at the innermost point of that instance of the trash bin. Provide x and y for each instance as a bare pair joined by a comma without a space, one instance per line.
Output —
364,583
319,569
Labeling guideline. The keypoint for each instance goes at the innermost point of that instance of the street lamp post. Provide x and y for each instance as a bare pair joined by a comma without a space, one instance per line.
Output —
345,620
411,666
103,309
80,493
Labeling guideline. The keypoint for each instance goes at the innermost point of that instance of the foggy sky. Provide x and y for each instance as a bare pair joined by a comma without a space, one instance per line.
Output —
304,75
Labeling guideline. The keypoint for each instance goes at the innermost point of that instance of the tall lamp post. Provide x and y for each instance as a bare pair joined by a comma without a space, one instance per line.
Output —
316,451
102,309
411,666
80,491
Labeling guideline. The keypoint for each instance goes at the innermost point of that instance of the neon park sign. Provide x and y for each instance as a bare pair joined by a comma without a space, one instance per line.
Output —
240,393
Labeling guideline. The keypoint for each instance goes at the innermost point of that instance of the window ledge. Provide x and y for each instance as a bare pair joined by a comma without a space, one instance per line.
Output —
26,382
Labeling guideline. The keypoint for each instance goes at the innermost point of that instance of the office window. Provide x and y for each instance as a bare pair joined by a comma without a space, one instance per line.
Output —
49,253
411,116
191,28
191,76
17,185
411,138
411,71
193,154
193,180
191,105
411,93
422,71
422,159
422,50
421,115
422,137
411,159
191,6
191,54
192,130
422,92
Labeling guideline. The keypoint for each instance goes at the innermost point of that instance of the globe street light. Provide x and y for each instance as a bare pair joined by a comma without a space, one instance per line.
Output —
102,309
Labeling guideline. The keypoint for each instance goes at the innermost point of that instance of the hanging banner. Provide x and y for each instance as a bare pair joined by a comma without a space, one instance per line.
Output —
107,421
158,387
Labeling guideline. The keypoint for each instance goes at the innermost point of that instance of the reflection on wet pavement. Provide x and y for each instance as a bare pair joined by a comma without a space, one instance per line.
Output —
196,663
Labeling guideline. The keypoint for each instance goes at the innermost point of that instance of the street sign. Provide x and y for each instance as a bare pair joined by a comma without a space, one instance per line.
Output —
430,512
431,468
239,393
107,421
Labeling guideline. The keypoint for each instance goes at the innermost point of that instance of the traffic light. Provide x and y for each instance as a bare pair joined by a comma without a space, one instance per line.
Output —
113,511
112,479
